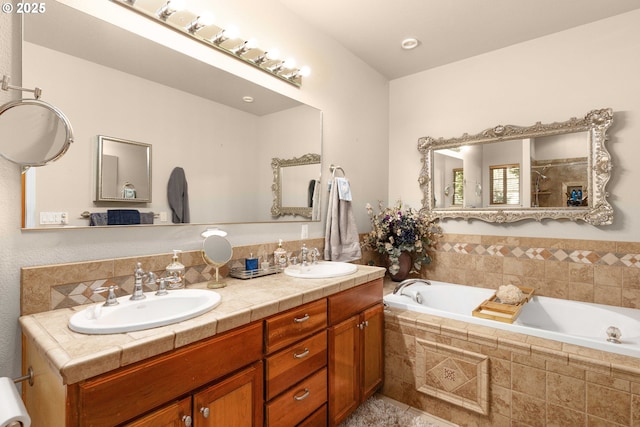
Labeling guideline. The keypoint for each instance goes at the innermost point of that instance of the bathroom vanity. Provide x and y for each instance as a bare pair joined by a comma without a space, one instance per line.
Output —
277,351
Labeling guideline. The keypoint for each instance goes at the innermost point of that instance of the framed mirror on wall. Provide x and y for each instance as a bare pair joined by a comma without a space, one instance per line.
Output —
296,186
201,124
123,172
511,173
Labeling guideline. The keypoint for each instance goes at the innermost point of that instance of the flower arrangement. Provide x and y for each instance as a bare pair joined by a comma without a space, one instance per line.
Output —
401,229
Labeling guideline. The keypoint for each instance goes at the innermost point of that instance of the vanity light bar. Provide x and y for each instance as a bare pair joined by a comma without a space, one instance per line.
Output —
225,40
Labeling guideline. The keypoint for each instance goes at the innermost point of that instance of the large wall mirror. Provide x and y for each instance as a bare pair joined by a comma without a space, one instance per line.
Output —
510,173
110,81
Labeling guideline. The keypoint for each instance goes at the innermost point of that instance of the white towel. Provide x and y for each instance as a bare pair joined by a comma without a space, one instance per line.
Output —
344,189
341,241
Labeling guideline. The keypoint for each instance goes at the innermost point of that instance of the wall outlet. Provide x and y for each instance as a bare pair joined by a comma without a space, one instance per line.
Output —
304,233
57,218
163,217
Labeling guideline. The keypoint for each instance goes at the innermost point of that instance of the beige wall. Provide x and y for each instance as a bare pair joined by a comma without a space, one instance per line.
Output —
549,79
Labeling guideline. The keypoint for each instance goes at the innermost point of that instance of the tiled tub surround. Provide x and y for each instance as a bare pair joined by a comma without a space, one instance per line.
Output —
477,375
603,272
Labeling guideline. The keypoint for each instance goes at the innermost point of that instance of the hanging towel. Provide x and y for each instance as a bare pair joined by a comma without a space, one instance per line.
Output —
341,242
146,217
98,218
123,217
315,206
178,195
344,188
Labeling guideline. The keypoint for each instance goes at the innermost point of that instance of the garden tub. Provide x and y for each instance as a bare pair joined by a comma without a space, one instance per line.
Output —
579,323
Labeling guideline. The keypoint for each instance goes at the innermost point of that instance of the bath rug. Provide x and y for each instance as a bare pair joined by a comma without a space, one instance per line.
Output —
378,412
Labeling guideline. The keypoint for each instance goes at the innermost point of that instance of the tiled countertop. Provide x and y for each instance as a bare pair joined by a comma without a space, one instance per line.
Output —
78,356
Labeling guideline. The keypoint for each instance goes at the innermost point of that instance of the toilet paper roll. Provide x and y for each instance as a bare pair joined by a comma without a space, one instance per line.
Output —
12,408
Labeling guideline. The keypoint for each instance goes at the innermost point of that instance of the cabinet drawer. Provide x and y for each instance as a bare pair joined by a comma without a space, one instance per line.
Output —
347,303
288,327
317,419
113,398
297,403
288,366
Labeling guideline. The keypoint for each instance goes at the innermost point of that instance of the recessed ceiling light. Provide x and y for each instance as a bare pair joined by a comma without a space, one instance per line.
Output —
247,98
410,43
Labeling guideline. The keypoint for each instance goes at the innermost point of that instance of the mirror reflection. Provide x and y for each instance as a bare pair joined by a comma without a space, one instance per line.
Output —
124,170
509,173
296,186
135,89
495,174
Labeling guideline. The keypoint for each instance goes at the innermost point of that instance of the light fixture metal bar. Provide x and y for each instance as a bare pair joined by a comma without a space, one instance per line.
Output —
292,77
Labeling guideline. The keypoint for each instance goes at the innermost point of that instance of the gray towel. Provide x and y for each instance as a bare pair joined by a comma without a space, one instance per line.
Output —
341,241
98,218
178,195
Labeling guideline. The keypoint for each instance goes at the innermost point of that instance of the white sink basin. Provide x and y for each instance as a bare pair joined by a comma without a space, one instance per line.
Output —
321,270
151,312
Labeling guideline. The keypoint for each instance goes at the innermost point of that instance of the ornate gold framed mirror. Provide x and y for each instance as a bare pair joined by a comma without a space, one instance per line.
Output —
511,173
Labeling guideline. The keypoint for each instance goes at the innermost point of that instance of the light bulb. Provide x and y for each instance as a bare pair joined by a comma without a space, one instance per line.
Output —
289,63
273,54
304,71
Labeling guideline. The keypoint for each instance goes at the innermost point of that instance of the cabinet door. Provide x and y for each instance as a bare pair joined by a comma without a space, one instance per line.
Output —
372,350
177,414
344,369
233,402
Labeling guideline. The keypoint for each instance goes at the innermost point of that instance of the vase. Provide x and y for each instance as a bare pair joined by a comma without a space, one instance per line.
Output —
404,262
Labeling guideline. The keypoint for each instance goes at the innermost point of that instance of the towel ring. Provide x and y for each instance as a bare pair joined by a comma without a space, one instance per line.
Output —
334,168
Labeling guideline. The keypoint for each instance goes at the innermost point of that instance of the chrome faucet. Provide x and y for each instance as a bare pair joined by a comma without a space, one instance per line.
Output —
141,278
408,282
303,254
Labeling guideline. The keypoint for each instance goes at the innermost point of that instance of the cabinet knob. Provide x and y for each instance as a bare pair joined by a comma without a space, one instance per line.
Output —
205,412
303,396
301,355
187,421
301,319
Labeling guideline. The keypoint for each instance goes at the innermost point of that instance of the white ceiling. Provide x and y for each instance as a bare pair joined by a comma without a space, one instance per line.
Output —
449,30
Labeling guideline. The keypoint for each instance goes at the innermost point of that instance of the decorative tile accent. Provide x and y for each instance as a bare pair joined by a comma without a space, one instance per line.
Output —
579,256
454,375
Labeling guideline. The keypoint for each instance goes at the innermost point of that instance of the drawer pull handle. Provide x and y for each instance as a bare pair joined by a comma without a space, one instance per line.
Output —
303,395
301,319
205,412
301,355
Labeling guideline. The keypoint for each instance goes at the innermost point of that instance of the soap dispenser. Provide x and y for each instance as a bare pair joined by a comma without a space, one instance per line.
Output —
175,271
280,256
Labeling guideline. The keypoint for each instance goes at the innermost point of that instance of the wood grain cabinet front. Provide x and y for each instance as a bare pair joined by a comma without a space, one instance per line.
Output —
355,344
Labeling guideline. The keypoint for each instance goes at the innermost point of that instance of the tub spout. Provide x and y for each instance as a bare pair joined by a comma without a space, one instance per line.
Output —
408,282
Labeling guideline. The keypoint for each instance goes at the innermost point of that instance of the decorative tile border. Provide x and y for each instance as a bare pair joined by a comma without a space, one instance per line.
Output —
460,377
545,254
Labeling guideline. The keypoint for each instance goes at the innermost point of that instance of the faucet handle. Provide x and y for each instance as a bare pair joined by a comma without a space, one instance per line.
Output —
162,287
111,296
315,253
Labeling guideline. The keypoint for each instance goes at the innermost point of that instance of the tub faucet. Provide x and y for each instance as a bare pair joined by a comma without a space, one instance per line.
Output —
408,282
141,278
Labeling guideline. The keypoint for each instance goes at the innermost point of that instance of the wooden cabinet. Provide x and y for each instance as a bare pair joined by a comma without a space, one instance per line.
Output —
310,366
355,348
125,394
295,364
177,414
235,401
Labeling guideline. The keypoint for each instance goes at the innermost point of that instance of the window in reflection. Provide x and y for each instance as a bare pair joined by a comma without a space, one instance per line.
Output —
505,184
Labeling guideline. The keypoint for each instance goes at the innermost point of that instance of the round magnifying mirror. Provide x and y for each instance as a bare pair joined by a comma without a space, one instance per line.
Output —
33,132
216,251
